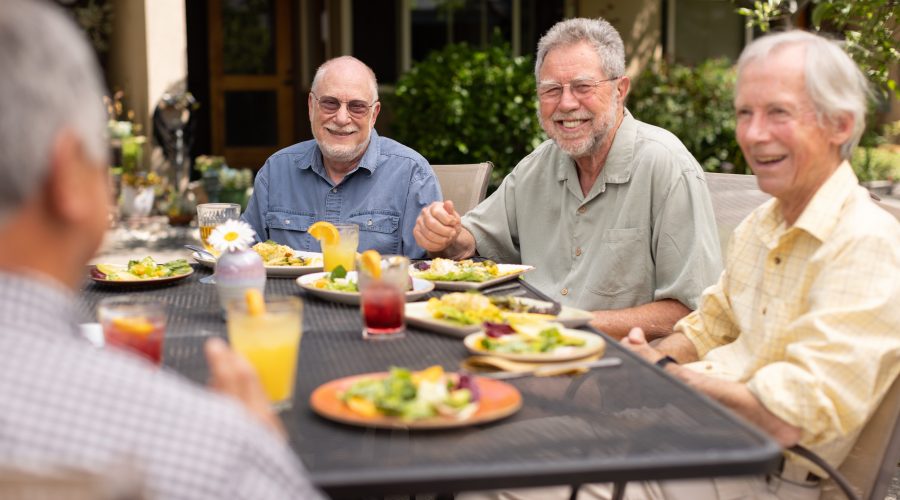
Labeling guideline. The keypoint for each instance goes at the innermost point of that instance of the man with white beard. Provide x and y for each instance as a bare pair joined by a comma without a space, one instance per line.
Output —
347,174
613,213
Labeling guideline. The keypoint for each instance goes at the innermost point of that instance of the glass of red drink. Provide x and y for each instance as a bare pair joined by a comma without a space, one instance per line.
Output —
383,298
135,324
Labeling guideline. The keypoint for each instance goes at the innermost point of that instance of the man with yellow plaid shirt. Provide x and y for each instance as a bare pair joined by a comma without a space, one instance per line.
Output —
801,335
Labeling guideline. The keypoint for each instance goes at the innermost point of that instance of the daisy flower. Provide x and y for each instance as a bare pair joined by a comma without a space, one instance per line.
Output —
231,235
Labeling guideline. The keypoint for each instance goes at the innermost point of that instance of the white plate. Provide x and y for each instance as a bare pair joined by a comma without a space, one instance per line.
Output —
593,344
272,271
417,315
509,271
420,289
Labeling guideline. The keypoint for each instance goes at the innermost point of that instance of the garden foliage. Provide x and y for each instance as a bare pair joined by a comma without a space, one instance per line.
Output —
468,105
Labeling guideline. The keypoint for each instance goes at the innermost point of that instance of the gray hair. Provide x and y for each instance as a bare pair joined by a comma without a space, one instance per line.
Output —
597,32
50,83
834,82
320,73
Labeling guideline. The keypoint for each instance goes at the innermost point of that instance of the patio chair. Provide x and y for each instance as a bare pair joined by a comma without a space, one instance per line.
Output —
23,483
734,196
872,462
464,184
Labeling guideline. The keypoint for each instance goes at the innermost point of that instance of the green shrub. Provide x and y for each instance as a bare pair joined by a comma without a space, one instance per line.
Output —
466,105
871,164
695,104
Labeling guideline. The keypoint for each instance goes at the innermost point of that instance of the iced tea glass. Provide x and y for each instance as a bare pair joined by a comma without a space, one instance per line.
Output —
343,251
210,215
383,298
135,324
271,343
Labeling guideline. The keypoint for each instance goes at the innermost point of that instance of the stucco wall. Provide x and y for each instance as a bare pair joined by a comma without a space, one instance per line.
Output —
638,21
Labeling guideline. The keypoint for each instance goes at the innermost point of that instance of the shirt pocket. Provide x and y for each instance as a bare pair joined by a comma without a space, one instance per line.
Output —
290,229
626,276
379,230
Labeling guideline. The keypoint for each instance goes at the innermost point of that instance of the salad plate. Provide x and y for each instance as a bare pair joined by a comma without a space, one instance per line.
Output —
274,271
496,400
417,314
139,273
307,282
515,346
466,274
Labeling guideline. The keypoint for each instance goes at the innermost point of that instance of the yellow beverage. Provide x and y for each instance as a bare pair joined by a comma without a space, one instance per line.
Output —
342,253
205,231
271,343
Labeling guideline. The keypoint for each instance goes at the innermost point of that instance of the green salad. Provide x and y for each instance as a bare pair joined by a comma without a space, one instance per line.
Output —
450,270
513,342
336,281
413,395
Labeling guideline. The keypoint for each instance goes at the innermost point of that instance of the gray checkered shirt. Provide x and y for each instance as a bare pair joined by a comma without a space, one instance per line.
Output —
65,403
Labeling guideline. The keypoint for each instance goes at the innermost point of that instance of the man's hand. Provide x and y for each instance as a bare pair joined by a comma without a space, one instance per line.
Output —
231,375
438,226
636,342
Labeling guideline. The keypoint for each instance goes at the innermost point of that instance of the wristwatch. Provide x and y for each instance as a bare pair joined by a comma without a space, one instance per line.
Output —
665,360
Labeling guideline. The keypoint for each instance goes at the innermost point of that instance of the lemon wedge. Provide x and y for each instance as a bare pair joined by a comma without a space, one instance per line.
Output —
325,232
371,262
137,325
256,305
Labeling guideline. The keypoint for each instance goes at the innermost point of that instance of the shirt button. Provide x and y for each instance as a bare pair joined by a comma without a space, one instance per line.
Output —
369,222
777,260
578,252
565,291
582,210
764,310
287,221
334,190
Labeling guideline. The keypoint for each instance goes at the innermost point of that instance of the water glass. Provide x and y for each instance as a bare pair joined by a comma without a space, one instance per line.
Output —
210,215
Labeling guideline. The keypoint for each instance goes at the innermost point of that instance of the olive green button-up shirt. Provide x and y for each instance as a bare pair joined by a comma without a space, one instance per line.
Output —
644,232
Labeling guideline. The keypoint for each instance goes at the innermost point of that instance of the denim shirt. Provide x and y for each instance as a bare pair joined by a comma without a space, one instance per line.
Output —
383,195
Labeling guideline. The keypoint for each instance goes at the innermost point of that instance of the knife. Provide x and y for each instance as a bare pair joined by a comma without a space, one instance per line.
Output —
554,369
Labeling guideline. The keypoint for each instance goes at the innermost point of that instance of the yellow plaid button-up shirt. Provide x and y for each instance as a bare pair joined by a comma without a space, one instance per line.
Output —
808,316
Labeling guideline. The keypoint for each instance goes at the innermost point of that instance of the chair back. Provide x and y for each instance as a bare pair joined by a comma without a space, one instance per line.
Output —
27,483
464,184
733,196
872,462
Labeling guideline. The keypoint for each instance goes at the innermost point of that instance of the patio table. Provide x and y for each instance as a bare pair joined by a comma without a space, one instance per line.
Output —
612,424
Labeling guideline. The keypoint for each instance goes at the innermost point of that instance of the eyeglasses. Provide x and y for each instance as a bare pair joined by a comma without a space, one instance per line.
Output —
355,107
581,88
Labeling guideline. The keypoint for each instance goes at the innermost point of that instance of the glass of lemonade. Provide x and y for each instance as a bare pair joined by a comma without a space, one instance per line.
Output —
271,343
135,324
343,251
210,215
383,299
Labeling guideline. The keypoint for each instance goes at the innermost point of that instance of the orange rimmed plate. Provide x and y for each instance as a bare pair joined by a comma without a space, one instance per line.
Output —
498,400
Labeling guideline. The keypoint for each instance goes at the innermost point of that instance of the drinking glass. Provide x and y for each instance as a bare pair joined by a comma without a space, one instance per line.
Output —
343,251
383,299
136,324
210,215
271,343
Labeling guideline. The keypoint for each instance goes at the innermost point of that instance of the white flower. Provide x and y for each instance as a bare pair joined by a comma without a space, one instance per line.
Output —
232,235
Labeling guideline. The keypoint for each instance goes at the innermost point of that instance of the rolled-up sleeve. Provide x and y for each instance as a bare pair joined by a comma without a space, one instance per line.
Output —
494,224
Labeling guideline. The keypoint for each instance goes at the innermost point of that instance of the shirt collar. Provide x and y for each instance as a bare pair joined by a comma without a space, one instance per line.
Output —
620,160
821,213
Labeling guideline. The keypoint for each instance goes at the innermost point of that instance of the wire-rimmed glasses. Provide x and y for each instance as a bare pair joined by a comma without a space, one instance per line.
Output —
356,107
581,88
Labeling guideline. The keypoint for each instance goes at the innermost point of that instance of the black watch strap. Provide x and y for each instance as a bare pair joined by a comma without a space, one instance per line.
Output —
665,360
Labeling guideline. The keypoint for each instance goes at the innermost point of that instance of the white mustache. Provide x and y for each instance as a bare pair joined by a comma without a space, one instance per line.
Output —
571,116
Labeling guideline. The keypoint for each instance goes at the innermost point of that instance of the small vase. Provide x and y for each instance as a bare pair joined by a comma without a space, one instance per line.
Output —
236,271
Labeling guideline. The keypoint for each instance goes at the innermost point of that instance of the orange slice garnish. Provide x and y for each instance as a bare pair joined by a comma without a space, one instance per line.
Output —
256,305
137,325
371,262
362,406
325,232
431,374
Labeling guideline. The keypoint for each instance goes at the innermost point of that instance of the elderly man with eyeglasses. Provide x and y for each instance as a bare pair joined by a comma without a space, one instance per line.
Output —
347,174
613,213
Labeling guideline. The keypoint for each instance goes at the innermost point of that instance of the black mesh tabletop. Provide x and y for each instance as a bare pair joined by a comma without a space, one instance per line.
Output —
625,423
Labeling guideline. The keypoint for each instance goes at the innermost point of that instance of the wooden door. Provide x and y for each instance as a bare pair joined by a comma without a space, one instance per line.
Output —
251,79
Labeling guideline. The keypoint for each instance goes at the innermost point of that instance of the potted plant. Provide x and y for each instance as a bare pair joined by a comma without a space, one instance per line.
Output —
222,183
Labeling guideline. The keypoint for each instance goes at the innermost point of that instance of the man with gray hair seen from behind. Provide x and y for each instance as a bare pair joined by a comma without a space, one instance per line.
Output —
347,174
613,213
65,405
800,334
